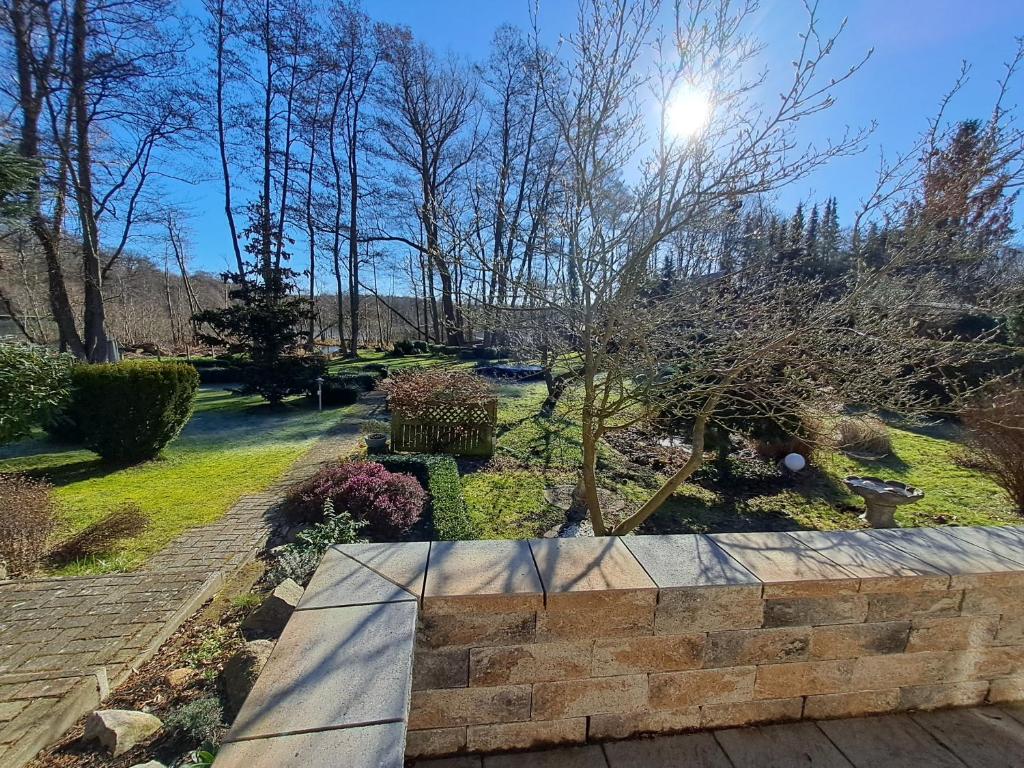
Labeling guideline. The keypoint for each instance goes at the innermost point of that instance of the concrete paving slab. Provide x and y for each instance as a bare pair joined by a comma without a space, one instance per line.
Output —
885,742
1006,542
572,757
785,566
341,581
879,566
687,561
968,564
497,576
696,749
780,746
589,571
404,564
333,667
380,746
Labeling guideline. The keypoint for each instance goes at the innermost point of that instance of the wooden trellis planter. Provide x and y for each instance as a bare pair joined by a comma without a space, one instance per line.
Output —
446,427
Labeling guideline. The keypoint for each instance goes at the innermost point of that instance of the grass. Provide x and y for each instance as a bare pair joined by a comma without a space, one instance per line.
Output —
232,446
396,364
506,495
818,499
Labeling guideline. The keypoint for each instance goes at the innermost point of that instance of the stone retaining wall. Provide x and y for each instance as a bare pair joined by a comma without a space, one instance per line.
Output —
486,646
526,644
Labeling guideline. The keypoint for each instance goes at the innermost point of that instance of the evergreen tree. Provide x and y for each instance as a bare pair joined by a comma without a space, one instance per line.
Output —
829,237
795,240
811,238
265,321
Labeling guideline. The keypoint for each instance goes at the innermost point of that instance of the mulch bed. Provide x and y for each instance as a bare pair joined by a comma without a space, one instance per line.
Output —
203,643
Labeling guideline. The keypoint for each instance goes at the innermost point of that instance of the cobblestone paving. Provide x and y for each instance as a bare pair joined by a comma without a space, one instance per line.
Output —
65,642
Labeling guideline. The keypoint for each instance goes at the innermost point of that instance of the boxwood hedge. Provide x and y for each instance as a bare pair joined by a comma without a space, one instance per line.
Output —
440,476
129,411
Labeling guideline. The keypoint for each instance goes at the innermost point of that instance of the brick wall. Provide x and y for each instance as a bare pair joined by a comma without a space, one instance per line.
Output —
526,644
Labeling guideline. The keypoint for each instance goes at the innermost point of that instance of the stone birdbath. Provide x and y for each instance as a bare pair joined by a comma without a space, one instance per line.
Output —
881,497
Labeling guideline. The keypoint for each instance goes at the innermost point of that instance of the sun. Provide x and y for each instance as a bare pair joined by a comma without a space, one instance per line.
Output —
687,112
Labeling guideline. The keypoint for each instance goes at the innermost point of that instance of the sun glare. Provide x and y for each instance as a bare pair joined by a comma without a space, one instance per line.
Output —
687,112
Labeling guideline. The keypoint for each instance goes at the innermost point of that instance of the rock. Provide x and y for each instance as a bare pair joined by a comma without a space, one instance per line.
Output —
150,764
241,670
118,730
269,619
181,677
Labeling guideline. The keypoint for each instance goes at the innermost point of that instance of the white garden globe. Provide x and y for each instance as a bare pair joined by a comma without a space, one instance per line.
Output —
794,462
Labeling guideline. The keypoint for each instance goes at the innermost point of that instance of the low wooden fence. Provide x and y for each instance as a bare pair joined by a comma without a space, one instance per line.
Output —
446,427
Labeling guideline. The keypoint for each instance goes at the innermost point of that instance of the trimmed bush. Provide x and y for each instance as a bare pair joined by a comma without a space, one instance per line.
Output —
440,476
364,381
338,392
420,346
389,503
28,519
35,383
129,411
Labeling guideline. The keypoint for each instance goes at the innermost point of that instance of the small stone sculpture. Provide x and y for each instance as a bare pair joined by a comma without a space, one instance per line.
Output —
881,497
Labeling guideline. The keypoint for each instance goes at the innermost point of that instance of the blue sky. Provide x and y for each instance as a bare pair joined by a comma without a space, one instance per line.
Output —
918,46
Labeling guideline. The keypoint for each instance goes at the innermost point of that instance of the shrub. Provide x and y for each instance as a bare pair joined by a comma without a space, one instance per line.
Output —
200,720
415,390
420,346
129,411
27,521
996,428
440,476
294,563
99,537
389,503
374,427
35,382
863,434
338,392
288,375
299,560
404,347
221,374
364,381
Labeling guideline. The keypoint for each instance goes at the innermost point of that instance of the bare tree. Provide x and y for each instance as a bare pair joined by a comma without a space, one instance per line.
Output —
428,125
712,343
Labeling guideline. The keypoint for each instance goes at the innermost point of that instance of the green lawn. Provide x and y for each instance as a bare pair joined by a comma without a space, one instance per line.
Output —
231,447
406,363
506,495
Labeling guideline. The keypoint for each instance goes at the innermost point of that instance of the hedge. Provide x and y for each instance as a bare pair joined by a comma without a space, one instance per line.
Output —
440,476
129,411
364,381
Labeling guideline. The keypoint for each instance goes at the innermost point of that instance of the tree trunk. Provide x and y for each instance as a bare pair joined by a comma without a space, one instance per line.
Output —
222,142
94,320
48,234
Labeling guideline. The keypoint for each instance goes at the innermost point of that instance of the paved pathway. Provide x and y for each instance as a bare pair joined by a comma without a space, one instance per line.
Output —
64,642
964,738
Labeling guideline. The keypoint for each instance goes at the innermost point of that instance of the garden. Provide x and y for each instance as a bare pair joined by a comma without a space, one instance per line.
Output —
523,485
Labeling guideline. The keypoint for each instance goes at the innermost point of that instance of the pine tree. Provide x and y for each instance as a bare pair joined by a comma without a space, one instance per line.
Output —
795,240
265,321
811,239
